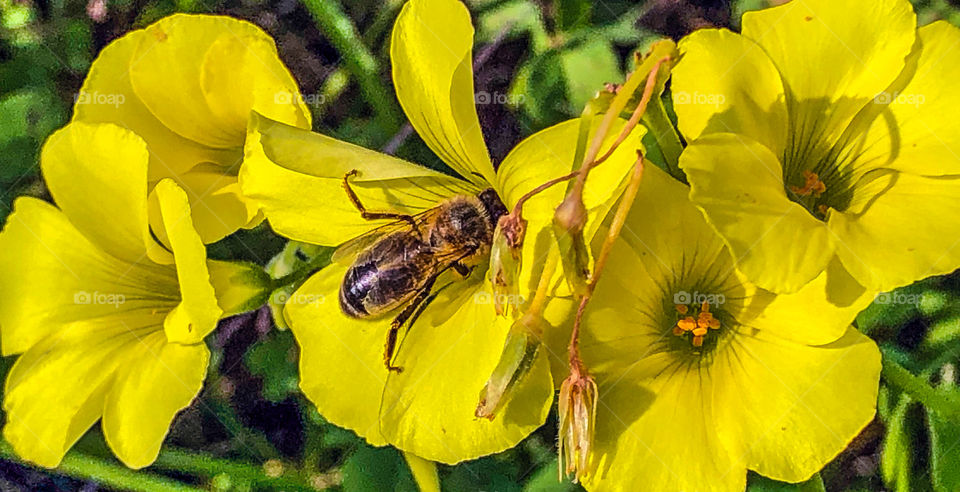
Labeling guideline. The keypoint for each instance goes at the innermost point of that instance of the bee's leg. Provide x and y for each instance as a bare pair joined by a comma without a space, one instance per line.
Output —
411,310
368,215
459,267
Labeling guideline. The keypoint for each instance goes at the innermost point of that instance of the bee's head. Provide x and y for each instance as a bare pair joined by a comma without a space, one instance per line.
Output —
493,205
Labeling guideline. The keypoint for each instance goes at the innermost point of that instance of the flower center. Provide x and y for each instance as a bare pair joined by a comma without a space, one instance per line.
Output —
694,322
810,194
818,177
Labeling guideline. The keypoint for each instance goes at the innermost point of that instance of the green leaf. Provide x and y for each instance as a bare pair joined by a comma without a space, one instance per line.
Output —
370,468
587,68
544,90
891,309
944,453
758,483
273,360
499,472
518,17
571,14
546,479
26,117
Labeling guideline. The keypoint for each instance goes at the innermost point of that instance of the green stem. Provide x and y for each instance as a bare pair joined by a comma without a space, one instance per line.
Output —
301,274
80,466
659,123
340,31
248,438
424,472
895,375
206,466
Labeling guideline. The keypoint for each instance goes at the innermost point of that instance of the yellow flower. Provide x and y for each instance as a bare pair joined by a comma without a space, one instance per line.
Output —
297,176
186,85
109,324
701,374
825,135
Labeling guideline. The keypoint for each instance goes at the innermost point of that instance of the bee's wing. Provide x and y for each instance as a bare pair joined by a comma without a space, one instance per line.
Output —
349,249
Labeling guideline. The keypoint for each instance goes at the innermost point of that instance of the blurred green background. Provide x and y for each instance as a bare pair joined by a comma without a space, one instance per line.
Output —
537,62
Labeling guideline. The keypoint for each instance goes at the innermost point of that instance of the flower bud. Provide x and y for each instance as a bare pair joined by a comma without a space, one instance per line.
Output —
505,260
568,224
239,286
519,352
578,415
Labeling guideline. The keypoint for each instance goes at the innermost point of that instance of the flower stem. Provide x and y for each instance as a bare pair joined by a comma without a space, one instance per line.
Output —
206,466
616,107
339,29
665,133
424,473
895,375
616,225
82,467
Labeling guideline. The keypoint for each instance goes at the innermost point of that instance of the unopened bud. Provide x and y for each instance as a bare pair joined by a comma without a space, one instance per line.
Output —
568,223
505,260
578,415
519,352
239,286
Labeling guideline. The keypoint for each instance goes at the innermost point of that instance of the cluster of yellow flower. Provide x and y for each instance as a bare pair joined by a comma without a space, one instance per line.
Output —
821,156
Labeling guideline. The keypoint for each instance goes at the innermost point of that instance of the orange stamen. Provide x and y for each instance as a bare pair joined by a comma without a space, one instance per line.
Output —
698,324
811,185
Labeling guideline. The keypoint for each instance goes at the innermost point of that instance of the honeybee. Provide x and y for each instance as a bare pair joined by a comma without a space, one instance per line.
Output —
397,265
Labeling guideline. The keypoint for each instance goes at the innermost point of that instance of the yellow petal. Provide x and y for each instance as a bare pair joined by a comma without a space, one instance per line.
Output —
243,72
216,202
666,253
817,314
297,177
780,403
97,174
834,57
53,276
447,356
201,76
725,83
341,359
656,420
153,382
108,97
55,391
430,52
897,231
738,183
198,311
428,409
917,132
549,154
